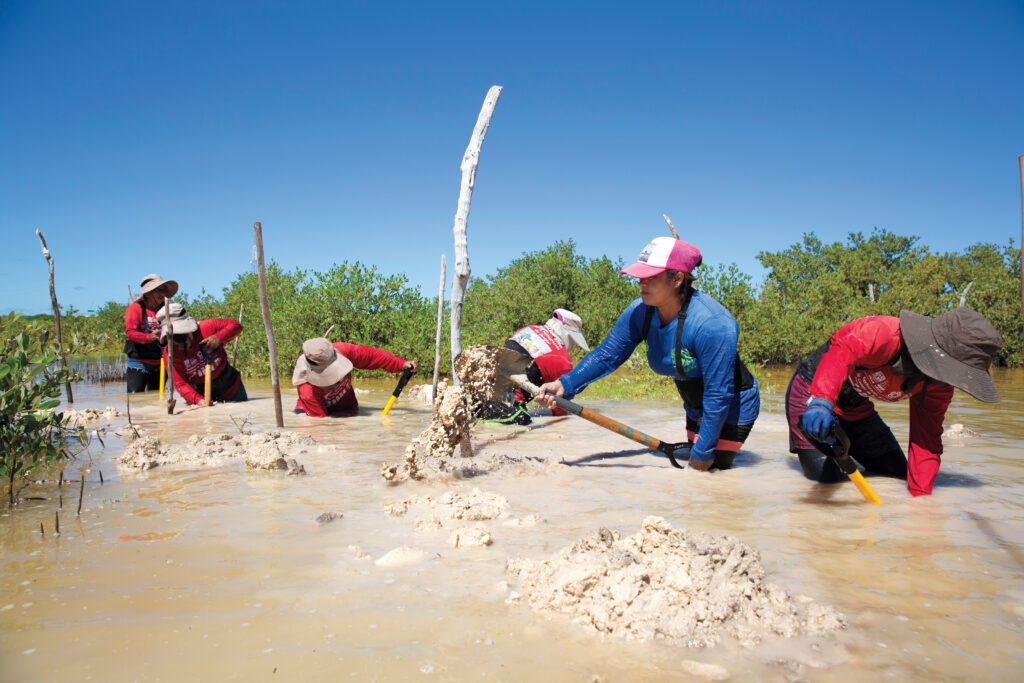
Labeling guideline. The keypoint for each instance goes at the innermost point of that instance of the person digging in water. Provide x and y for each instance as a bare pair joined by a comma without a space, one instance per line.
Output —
323,375
142,330
890,359
549,346
197,343
690,338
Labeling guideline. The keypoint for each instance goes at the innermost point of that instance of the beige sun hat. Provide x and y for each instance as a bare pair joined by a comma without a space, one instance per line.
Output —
153,282
320,364
568,327
181,321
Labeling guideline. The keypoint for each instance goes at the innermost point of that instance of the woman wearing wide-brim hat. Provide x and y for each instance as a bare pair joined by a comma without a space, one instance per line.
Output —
198,343
692,339
890,359
323,375
142,330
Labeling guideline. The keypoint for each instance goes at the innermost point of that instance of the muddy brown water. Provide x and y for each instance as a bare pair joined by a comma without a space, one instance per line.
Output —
225,574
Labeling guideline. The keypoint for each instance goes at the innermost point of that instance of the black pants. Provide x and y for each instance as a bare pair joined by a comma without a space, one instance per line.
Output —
140,380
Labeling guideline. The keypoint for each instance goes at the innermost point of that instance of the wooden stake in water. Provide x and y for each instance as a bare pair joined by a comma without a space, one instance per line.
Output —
81,491
470,161
265,308
169,334
437,336
56,522
56,313
234,347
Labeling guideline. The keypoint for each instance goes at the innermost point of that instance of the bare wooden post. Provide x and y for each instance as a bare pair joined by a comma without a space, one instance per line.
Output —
963,296
169,332
234,348
670,226
131,297
1020,160
440,319
56,314
327,334
470,161
265,308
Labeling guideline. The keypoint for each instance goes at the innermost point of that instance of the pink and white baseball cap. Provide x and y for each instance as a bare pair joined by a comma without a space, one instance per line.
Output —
664,253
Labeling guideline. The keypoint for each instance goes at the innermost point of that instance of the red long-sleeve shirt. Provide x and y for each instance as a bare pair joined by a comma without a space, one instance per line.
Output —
341,398
189,369
860,352
139,323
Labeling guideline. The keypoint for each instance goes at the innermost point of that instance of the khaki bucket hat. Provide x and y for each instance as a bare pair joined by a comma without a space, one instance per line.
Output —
181,321
568,327
320,364
956,348
153,282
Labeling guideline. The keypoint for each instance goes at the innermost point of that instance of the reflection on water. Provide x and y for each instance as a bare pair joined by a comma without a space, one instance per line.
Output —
230,569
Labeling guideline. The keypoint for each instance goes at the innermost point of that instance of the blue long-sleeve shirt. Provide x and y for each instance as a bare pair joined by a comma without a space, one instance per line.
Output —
708,352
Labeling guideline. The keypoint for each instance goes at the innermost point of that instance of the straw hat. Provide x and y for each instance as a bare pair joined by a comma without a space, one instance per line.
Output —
320,364
153,282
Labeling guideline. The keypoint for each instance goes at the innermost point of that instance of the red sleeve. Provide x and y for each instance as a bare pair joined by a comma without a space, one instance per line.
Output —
133,316
369,358
188,393
311,401
225,330
865,342
927,410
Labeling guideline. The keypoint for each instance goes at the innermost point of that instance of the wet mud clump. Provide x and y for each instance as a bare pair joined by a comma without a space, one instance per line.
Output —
272,450
667,583
88,416
429,451
463,516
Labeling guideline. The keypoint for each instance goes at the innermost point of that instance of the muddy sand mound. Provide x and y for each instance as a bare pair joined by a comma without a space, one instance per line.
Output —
271,450
89,416
664,583
461,515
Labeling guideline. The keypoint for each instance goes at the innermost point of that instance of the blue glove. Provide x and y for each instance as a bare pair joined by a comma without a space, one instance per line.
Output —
819,418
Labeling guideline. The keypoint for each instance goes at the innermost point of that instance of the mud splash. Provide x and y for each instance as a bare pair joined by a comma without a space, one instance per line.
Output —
429,454
664,583
265,451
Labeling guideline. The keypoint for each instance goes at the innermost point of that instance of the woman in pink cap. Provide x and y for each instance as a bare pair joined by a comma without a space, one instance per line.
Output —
690,338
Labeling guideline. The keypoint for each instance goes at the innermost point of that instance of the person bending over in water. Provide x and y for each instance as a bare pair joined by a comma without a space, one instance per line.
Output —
886,358
197,343
549,346
323,375
690,338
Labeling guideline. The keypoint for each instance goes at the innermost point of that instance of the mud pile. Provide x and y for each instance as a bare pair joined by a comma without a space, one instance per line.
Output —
268,450
428,453
461,515
422,393
88,416
664,583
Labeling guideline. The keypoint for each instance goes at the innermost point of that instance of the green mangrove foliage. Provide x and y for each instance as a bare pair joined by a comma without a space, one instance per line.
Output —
31,433
810,289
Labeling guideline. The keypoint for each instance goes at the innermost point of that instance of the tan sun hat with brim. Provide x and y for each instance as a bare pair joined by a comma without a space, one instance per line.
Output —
153,282
320,364
568,327
956,348
181,321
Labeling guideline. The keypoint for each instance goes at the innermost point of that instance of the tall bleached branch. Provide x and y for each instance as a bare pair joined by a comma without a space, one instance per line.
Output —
469,165
56,314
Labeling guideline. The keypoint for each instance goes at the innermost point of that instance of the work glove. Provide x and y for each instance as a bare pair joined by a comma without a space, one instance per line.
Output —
818,419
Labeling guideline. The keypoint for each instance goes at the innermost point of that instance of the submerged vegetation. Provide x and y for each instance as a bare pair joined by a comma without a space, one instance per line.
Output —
811,288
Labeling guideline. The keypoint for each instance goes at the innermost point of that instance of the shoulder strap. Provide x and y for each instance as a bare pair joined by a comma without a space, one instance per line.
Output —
648,317
679,332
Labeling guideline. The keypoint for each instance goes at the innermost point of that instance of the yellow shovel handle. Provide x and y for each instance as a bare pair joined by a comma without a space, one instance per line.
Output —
391,402
865,489
163,375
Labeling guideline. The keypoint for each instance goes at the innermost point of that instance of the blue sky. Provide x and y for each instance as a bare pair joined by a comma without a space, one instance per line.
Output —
144,137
